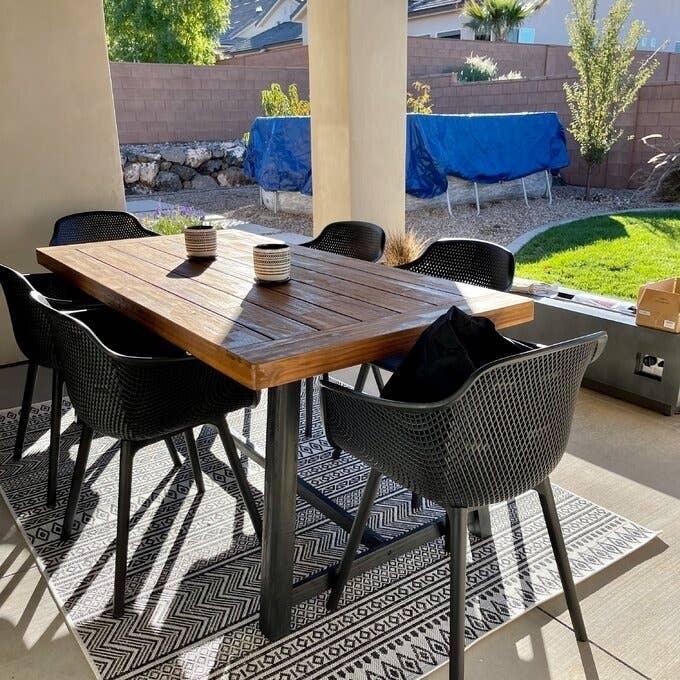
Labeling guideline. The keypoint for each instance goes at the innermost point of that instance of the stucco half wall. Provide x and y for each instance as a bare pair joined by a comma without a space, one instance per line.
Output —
57,128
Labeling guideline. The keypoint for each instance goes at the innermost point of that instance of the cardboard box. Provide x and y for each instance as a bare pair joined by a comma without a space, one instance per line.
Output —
658,306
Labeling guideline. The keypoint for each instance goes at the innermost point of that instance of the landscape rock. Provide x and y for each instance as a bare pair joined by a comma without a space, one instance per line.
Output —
197,156
203,182
148,172
231,177
166,165
213,165
174,154
131,173
168,181
183,171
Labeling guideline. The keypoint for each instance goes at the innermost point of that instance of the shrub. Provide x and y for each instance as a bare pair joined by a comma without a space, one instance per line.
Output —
477,69
512,75
403,248
275,102
421,100
175,222
663,180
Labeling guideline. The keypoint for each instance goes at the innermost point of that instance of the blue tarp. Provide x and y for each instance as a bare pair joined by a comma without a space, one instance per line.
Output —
279,156
484,148
480,148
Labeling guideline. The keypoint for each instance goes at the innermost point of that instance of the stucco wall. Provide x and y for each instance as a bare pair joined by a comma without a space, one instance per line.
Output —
57,128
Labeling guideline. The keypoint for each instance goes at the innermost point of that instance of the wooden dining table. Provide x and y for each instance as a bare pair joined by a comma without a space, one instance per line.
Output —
335,312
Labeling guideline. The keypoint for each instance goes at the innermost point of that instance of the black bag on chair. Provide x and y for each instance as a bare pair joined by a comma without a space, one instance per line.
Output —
445,356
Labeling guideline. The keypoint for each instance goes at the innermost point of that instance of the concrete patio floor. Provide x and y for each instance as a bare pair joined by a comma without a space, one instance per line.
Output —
625,458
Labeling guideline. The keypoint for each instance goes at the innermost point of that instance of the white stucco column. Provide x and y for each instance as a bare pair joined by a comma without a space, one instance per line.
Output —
57,128
357,74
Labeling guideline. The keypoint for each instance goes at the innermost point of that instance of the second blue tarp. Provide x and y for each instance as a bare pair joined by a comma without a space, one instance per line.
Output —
477,147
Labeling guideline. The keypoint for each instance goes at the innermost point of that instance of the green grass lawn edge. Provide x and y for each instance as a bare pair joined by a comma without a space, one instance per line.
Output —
610,255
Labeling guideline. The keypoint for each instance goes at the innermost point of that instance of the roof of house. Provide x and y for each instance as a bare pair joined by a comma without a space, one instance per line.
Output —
415,7
283,33
244,13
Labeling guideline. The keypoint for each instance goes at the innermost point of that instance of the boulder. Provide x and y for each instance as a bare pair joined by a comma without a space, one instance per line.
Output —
174,154
148,157
184,171
203,182
213,165
197,156
168,181
148,172
131,173
165,165
231,177
234,153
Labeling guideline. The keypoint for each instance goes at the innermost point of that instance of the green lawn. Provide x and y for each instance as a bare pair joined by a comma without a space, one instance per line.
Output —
612,255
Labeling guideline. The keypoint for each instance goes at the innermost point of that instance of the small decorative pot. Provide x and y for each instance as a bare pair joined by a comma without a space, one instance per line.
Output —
201,242
271,262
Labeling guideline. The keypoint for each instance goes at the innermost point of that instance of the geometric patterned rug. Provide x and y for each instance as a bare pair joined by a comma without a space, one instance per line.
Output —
193,574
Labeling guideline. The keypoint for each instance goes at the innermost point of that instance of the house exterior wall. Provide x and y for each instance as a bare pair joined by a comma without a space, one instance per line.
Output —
662,18
56,103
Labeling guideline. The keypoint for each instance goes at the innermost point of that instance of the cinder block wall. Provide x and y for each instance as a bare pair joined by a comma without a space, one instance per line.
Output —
161,102
166,103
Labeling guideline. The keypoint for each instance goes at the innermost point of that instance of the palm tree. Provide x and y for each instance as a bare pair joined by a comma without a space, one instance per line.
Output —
498,17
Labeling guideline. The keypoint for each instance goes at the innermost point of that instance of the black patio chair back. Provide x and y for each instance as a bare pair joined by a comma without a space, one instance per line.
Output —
467,261
97,225
500,435
31,326
139,399
359,240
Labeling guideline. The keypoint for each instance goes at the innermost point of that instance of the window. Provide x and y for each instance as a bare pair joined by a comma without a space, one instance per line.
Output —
643,43
677,47
483,36
652,43
451,35
513,35
526,36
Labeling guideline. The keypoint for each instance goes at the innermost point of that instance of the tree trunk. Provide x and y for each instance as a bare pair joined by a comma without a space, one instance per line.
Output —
588,178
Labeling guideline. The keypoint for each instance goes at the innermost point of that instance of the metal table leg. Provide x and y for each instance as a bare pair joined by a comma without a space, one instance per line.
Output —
278,530
479,522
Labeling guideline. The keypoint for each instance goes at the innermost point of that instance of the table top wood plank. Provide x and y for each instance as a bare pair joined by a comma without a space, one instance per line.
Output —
233,307
309,286
223,280
330,316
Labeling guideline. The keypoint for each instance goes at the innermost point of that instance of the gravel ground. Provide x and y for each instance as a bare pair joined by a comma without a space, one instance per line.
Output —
498,222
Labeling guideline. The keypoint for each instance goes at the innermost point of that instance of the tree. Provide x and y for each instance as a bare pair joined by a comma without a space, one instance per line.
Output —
608,81
499,17
165,31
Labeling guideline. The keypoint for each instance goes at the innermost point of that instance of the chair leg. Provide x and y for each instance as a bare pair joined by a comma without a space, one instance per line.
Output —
55,435
77,482
458,545
416,502
241,480
361,378
127,453
29,386
552,521
309,406
195,460
174,454
363,512
377,376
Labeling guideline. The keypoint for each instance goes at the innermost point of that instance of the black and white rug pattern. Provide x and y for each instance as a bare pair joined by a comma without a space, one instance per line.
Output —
193,577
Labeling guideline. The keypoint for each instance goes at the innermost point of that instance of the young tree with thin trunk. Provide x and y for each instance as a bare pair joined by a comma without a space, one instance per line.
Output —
608,78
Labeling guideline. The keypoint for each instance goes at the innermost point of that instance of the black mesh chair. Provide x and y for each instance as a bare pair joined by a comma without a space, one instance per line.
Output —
358,240
33,335
500,435
126,382
97,225
464,260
